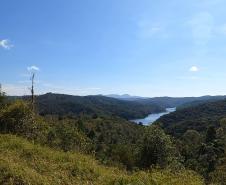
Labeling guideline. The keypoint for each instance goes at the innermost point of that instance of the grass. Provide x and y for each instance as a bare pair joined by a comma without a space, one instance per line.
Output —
24,163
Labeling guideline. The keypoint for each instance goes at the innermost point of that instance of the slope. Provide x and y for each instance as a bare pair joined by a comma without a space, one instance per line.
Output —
60,104
24,163
198,117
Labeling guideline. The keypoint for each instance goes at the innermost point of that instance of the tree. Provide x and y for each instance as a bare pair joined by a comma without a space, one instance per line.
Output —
210,134
221,131
191,141
81,125
223,124
192,137
211,151
17,118
156,148
91,134
2,96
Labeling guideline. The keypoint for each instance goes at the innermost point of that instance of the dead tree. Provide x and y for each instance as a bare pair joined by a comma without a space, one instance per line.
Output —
32,90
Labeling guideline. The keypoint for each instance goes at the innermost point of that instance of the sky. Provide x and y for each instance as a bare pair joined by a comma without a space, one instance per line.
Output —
84,47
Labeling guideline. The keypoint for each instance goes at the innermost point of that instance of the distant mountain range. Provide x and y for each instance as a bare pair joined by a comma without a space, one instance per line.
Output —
167,102
124,106
125,97
61,104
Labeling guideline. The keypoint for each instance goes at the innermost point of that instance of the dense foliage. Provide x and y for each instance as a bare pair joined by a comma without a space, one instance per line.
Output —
198,118
156,148
200,132
62,140
58,104
167,102
23,163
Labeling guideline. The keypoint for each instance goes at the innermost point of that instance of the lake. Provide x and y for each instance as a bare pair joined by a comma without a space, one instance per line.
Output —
153,117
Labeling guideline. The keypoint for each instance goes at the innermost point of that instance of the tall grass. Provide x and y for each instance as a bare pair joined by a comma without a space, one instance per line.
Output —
23,163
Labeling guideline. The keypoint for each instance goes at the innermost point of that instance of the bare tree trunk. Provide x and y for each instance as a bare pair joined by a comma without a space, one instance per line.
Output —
32,90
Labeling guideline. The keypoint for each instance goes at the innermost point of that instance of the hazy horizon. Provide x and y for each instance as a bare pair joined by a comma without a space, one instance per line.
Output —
109,95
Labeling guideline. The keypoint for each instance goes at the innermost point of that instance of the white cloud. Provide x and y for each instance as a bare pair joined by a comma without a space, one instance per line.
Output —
5,43
33,68
194,69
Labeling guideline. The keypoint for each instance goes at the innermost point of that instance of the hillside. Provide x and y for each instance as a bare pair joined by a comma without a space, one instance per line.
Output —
167,102
125,97
198,117
59,104
64,149
196,103
24,163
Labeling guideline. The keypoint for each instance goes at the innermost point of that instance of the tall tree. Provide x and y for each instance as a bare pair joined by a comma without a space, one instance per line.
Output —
210,134
156,148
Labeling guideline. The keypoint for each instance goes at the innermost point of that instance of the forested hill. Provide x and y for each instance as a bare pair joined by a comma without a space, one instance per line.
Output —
198,117
60,104
197,102
62,142
167,102
178,101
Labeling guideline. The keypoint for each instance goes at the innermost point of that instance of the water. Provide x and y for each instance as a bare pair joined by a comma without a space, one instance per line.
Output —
153,117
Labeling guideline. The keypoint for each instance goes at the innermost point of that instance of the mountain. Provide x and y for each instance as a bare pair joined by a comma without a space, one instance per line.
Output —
199,102
177,101
60,104
167,102
197,117
125,97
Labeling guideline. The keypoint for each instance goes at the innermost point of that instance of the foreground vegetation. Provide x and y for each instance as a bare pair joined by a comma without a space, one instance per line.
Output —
200,131
24,163
104,149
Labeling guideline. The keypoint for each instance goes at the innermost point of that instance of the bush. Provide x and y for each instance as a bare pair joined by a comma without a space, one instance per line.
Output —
17,118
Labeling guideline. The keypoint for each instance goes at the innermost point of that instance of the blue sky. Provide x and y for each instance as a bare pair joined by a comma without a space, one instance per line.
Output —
146,47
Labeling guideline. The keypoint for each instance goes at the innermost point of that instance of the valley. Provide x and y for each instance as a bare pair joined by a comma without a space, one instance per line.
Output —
151,118
99,127
112,92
